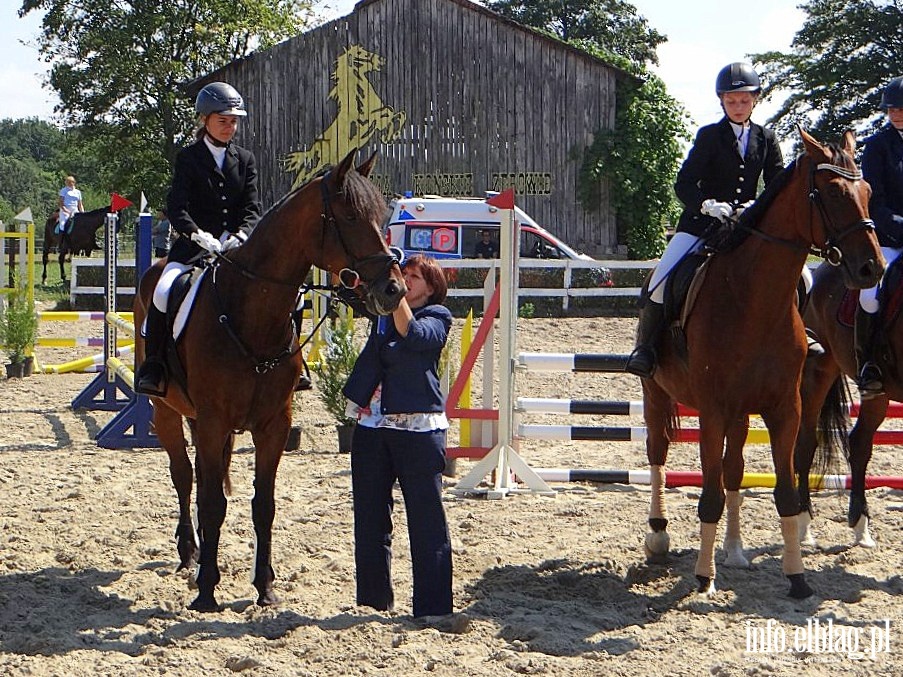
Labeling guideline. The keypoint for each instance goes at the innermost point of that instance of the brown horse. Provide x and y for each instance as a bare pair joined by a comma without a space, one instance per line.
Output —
80,238
240,352
825,401
745,345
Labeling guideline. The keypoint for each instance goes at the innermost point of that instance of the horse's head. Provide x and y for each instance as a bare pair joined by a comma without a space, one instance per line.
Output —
359,60
839,223
353,245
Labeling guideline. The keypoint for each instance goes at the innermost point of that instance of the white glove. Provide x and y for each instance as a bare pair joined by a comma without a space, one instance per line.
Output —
231,243
715,209
207,241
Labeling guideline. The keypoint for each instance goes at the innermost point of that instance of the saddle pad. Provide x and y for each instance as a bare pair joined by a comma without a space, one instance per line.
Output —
178,326
846,311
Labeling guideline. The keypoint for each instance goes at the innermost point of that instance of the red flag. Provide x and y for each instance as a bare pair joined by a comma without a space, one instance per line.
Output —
118,202
504,200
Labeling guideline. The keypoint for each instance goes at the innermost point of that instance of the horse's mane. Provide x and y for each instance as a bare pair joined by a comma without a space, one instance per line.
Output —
366,200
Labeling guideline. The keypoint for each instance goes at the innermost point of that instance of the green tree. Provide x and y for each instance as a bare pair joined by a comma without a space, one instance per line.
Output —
120,70
640,157
612,25
841,58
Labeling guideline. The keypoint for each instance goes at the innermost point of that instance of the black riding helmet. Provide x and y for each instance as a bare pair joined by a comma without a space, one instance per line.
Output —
219,97
892,96
737,77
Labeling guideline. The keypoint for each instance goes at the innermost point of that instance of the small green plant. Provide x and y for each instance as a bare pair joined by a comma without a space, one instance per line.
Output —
526,311
337,359
18,324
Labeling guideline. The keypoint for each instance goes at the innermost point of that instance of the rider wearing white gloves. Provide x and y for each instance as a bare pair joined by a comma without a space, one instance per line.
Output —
212,204
719,177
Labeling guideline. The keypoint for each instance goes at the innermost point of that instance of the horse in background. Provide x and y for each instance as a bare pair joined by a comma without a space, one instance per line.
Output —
80,238
238,359
742,345
825,394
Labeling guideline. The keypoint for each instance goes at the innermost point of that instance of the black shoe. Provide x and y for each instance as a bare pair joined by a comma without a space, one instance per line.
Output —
303,384
641,362
870,381
151,378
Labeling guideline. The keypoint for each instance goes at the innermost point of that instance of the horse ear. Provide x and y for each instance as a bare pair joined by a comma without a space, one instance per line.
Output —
366,167
813,147
344,166
849,142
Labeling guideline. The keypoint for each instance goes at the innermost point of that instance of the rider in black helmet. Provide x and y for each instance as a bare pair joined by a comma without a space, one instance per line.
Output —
717,180
212,206
882,167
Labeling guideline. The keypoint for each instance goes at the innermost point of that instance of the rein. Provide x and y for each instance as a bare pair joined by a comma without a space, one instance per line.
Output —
830,251
262,366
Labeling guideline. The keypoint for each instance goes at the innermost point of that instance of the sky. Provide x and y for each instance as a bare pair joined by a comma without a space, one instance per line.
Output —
703,36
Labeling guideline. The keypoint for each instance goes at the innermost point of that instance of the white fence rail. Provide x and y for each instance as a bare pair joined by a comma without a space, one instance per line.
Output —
565,292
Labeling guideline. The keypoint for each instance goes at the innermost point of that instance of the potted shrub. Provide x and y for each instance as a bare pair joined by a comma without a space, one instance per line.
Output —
337,358
18,330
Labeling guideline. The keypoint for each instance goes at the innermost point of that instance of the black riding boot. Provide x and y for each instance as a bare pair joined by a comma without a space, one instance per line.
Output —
869,378
151,376
642,360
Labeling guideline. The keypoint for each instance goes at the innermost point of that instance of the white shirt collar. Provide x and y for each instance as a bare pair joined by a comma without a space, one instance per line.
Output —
218,152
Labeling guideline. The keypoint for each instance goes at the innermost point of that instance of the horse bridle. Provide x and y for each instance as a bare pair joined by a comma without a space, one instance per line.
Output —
353,280
350,277
831,251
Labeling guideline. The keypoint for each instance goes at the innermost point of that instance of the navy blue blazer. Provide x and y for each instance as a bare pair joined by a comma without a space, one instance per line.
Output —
203,196
882,167
407,366
714,169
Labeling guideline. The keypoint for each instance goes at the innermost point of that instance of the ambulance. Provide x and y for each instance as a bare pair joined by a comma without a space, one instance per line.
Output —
452,228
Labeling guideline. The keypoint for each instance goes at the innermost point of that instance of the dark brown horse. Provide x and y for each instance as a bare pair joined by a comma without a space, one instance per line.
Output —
825,401
241,357
745,347
80,238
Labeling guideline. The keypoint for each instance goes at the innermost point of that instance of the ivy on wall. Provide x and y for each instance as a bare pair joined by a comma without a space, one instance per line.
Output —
639,159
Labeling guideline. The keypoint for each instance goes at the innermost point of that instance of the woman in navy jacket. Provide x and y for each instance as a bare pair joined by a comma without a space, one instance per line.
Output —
394,393
882,167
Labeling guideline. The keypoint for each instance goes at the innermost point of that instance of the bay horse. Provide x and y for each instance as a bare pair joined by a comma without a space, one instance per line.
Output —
744,347
825,399
241,356
81,238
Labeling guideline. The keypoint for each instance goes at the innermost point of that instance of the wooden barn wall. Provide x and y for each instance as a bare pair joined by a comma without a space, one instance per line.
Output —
481,101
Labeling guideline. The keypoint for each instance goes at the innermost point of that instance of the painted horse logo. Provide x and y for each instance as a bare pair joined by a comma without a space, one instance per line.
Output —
361,114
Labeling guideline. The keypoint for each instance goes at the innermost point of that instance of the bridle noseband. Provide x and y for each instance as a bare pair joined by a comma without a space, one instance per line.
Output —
831,251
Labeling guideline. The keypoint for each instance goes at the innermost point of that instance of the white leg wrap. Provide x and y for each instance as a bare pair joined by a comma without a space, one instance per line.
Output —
793,557
705,563
733,541
657,506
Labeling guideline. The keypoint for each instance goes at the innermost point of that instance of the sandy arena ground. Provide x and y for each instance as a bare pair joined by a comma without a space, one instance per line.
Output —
550,585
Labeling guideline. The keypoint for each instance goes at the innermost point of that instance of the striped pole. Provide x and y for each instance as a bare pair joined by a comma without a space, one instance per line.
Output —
678,478
600,362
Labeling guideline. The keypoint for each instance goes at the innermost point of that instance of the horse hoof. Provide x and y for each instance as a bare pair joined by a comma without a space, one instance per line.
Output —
657,545
736,559
204,604
861,535
705,585
269,598
799,589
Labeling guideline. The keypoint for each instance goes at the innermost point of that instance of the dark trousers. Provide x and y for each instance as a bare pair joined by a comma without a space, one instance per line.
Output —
379,456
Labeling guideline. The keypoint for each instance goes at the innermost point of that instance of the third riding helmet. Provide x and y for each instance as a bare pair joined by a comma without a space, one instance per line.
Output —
892,96
219,97
737,77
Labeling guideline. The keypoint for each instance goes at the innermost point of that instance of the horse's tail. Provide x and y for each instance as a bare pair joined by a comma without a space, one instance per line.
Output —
833,427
